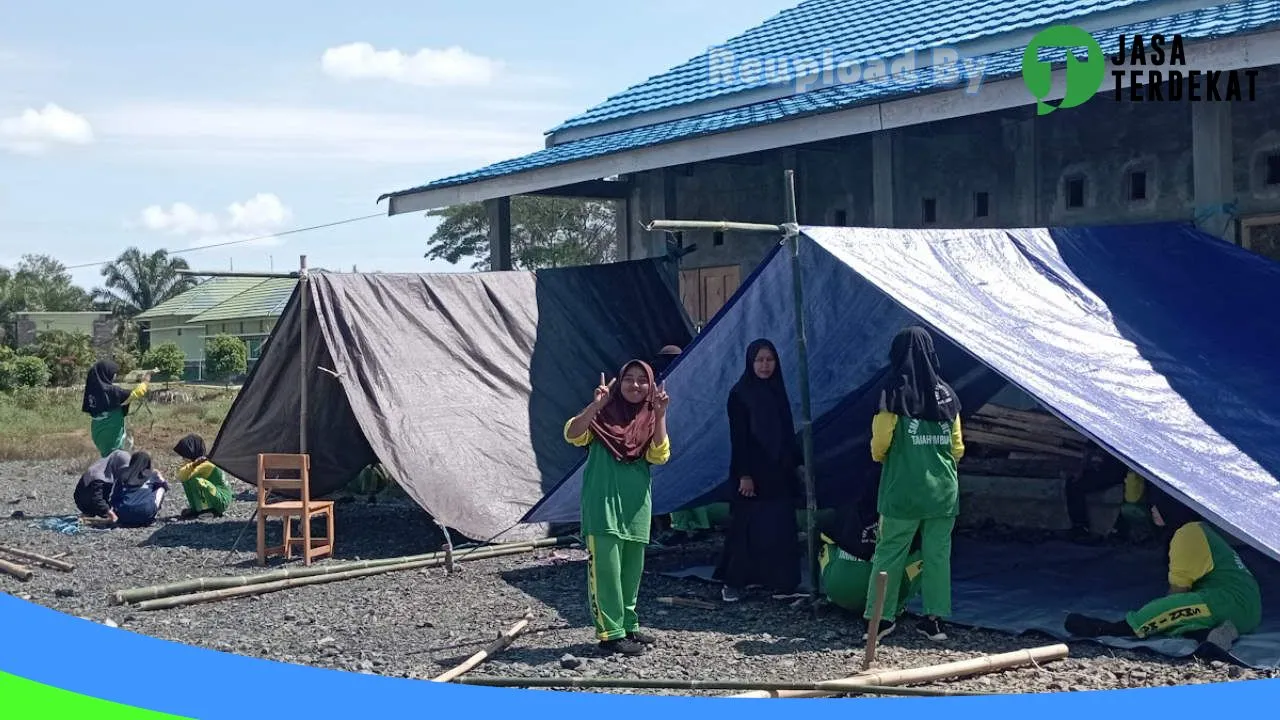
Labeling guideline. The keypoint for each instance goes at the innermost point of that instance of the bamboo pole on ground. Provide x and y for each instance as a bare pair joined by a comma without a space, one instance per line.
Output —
268,587
932,673
48,561
18,571
831,686
873,628
183,587
494,648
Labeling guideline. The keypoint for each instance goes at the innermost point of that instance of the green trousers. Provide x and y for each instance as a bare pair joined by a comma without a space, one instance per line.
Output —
108,433
613,584
845,581
1177,615
699,518
892,549
205,495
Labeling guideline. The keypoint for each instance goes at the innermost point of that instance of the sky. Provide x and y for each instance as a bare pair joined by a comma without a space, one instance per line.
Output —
173,125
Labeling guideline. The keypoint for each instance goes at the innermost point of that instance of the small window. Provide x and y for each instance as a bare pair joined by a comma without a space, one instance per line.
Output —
717,238
1273,169
1138,185
842,218
981,204
1075,192
929,210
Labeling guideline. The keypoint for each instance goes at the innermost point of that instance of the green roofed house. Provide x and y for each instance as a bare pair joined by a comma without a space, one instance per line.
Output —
181,320
250,315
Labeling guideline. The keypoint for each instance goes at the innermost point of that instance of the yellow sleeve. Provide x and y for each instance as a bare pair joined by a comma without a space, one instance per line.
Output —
882,426
659,454
1134,487
138,392
582,440
1189,556
957,440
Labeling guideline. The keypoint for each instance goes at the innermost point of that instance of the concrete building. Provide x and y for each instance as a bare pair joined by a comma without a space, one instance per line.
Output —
99,326
701,142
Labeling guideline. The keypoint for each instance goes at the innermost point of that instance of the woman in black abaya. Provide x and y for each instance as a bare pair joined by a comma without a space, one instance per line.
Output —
760,547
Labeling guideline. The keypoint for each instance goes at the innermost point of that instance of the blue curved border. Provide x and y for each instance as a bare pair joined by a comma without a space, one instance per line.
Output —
85,657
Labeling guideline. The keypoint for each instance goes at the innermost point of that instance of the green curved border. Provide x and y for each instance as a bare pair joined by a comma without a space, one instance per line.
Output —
22,699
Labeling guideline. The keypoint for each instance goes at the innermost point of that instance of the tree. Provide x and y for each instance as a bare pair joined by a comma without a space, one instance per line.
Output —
545,232
135,282
226,356
67,355
167,359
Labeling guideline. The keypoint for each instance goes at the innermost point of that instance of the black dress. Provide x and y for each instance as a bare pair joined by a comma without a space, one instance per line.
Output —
760,547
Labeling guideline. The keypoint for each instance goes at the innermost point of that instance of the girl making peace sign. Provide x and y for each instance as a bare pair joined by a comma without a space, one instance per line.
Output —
625,429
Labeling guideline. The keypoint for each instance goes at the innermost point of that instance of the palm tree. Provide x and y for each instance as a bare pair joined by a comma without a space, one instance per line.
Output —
135,282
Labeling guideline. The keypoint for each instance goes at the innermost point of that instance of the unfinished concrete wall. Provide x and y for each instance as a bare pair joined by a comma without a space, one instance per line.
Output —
1255,135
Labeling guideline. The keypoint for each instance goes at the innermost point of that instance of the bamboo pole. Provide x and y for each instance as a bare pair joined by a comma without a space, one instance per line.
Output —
183,587
932,673
873,628
829,686
268,587
303,291
494,648
18,571
806,418
50,562
721,225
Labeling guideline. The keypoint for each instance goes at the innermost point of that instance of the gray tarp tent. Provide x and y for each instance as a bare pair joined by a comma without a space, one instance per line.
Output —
459,384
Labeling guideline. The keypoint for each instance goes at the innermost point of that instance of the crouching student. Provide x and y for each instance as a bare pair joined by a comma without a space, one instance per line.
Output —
1212,595
625,429
204,483
846,570
121,489
138,493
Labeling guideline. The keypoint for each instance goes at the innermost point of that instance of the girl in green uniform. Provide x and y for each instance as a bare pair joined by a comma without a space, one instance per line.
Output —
845,562
1212,595
107,405
916,437
205,486
625,428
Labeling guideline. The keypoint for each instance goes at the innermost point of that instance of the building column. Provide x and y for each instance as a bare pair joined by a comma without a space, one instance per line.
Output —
622,213
791,161
1026,176
882,179
1213,168
499,212
661,191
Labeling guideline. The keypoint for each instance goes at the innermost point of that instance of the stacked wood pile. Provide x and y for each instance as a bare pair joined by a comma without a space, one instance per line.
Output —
1002,441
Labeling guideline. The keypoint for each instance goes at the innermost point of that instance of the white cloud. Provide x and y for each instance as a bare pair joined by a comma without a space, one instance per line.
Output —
179,219
260,215
35,131
251,134
428,67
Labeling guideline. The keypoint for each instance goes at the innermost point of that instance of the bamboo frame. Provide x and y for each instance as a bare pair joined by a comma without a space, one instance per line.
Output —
492,649
932,673
22,573
833,686
873,627
182,587
54,563
713,225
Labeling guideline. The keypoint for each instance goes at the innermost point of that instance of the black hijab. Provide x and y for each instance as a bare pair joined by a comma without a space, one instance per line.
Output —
191,448
136,473
913,388
100,393
666,356
767,405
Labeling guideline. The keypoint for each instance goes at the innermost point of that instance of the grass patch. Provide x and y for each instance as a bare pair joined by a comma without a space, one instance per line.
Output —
46,423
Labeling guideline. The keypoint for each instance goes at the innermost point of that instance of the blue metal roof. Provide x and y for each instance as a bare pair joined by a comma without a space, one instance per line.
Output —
856,29
1224,20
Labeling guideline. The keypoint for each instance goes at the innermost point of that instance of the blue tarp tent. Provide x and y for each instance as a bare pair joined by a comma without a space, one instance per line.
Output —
1156,341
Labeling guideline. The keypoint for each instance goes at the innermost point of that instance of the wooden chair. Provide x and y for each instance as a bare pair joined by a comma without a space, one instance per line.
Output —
304,508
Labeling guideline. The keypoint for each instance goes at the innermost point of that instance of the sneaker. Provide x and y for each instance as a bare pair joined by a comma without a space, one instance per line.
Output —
641,637
932,629
729,595
622,646
1223,636
886,628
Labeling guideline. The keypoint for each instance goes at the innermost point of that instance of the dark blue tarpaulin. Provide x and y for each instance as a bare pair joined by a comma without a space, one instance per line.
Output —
1157,341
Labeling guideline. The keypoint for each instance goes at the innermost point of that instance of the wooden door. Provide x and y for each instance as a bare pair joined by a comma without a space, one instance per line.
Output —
704,291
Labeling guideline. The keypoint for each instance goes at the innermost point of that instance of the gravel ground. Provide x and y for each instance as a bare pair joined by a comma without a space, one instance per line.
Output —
417,624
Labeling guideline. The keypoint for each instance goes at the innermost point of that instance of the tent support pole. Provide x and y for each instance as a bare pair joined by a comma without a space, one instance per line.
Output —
448,547
302,358
806,420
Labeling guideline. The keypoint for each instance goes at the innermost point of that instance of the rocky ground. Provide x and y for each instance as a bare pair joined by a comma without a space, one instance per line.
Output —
417,624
